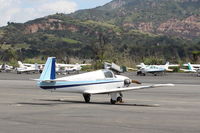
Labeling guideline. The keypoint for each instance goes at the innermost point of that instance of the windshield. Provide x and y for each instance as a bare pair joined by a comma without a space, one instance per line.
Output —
108,74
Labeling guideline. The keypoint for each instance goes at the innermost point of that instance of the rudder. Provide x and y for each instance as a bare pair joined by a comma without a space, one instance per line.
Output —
49,72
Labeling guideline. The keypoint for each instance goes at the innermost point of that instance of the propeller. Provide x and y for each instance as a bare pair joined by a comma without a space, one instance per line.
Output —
135,81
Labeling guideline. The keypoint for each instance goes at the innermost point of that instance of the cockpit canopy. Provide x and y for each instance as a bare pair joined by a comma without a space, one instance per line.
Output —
108,74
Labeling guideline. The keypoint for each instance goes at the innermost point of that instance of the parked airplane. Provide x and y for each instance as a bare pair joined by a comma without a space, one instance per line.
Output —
87,84
40,66
166,66
67,68
6,68
190,69
195,66
153,69
27,69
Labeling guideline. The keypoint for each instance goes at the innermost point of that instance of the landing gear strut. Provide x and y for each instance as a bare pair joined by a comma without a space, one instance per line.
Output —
87,97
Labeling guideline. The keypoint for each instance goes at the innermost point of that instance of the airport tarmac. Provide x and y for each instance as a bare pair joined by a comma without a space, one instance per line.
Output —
24,108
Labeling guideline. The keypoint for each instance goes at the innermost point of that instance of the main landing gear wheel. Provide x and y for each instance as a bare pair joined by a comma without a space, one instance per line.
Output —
87,97
119,99
112,101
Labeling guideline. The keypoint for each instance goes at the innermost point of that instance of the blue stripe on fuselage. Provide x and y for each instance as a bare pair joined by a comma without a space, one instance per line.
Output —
54,85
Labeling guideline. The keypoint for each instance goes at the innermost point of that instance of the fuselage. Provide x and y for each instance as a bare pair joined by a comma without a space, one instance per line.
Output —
152,69
101,79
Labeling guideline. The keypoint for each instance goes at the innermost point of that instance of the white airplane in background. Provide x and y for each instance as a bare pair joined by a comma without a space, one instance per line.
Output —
90,83
153,69
166,66
6,68
191,69
28,68
40,66
67,68
195,66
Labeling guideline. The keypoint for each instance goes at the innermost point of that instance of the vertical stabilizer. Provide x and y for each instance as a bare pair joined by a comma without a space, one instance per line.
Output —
143,65
21,65
49,72
167,65
190,66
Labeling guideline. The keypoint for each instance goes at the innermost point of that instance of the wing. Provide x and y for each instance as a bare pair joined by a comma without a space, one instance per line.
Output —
107,91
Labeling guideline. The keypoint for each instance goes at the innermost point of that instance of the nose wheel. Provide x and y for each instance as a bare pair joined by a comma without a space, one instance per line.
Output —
118,100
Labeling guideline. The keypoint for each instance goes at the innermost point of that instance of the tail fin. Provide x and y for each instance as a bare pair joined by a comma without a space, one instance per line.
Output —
49,72
142,65
190,66
167,65
20,64
3,66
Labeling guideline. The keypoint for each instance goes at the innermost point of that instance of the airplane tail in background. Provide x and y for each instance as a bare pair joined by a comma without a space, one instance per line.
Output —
190,66
167,65
142,65
20,64
49,72
3,66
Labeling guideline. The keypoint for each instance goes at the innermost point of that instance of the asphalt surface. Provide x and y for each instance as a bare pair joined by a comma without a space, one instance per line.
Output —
24,108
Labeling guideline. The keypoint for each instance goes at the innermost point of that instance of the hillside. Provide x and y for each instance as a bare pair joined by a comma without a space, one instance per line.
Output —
169,17
119,31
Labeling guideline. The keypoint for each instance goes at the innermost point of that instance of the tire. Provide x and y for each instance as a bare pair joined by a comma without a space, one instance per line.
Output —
112,101
40,71
119,99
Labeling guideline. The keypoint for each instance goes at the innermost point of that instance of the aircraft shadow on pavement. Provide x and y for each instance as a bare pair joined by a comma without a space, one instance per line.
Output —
54,102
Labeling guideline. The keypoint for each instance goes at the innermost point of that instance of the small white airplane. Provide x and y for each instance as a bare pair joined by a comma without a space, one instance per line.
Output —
191,69
90,83
28,68
166,66
40,66
153,69
6,68
195,66
67,68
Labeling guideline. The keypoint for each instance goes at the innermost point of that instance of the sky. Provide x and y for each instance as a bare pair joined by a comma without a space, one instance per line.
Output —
21,11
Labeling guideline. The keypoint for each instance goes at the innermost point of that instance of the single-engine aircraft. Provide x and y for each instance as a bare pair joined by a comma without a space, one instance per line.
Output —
192,66
67,68
153,69
90,83
6,68
27,68
191,69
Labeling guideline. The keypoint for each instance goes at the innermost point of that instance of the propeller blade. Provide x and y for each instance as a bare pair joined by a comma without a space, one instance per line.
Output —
135,81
